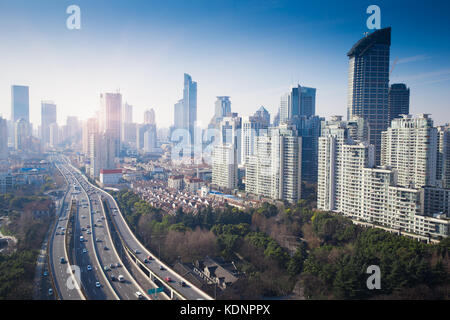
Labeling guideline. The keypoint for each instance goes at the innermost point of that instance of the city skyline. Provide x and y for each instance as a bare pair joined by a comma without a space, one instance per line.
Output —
265,67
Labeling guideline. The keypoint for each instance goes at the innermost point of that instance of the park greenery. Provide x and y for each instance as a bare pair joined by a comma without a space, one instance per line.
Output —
281,248
17,268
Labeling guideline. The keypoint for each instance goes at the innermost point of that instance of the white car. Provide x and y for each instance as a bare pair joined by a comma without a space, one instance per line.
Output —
97,284
139,295
84,250
89,268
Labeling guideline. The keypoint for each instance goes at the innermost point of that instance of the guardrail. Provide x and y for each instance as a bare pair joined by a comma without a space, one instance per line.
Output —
94,244
148,252
124,246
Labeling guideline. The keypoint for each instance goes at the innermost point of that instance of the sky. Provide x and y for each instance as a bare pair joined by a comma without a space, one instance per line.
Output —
252,51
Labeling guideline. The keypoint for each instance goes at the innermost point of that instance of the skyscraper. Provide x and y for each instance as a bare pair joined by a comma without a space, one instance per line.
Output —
252,127
185,116
48,116
20,103
368,83
398,100
127,123
149,117
22,135
221,110
3,139
111,116
299,101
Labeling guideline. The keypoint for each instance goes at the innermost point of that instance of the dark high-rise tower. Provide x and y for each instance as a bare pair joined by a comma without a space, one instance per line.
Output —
368,83
398,100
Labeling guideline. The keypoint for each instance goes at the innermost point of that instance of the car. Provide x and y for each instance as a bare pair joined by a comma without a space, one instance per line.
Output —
83,229
168,279
139,295
105,248
136,251
57,233
118,265
88,232
62,233
106,268
121,278
50,292
150,258
113,278
84,250
182,283
146,260
98,240
112,266
88,226
62,260
97,284
161,267
45,273
89,268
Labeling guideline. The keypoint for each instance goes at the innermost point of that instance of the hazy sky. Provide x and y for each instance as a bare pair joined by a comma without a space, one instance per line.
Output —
251,51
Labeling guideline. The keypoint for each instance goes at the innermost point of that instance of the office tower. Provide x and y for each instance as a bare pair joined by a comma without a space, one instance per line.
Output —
309,128
127,132
90,127
72,130
20,103
252,127
410,148
150,139
398,100
48,116
299,101
22,135
3,139
221,110
276,120
443,157
278,160
127,116
263,116
224,166
368,83
54,135
185,115
230,132
111,118
149,117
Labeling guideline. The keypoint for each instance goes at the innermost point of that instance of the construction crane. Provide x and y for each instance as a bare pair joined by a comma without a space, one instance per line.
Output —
393,66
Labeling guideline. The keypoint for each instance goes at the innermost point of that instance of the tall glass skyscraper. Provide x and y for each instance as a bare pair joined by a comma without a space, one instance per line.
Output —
48,116
398,100
368,83
190,104
20,103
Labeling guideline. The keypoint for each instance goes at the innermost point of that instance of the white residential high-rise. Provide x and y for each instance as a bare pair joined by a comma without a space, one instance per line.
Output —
443,157
389,195
224,166
275,169
410,147
90,126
